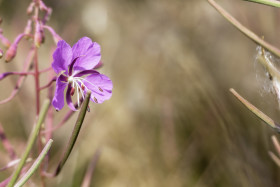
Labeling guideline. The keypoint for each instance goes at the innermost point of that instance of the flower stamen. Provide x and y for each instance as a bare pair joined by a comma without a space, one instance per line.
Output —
94,98
72,92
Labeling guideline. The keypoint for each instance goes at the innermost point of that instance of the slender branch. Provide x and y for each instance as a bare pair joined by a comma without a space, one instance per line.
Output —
274,158
91,168
49,84
27,65
7,145
244,30
266,2
65,119
256,111
13,163
5,182
68,115
37,83
30,143
49,123
276,144
6,74
35,165
45,70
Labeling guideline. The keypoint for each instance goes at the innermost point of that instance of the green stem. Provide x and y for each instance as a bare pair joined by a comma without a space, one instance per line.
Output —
35,165
266,2
74,134
30,143
244,30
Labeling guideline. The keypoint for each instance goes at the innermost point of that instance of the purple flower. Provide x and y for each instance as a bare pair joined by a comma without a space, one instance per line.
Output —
75,69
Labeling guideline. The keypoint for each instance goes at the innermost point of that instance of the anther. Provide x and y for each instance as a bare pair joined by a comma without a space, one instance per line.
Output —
83,86
100,89
95,99
72,91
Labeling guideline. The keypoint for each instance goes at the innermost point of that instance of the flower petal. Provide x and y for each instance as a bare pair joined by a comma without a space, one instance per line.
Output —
58,99
69,99
88,54
62,57
100,86
81,47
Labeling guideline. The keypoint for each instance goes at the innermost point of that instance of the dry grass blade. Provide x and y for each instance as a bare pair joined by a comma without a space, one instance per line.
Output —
276,144
266,2
256,111
275,158
245,30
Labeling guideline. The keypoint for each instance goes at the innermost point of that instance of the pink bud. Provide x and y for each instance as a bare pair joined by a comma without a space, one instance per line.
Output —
30,8
5,41
28,28
1,53
39,35
42,6
11,52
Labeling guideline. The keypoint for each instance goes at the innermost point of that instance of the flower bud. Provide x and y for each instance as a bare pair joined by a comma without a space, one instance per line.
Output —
11,52
39,35
30,8
42,6
1,53
28,28
5,41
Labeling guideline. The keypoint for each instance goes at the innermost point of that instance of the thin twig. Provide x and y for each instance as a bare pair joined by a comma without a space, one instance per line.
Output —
30,143
7,145
27,65
49,84
245,30
65,119
276,144
35,165
91,168
266,2
256,111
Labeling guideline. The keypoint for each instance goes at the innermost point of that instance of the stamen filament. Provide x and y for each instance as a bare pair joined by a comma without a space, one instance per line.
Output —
82,79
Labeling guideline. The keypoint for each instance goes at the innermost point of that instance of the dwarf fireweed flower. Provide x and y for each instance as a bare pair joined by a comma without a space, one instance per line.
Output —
75,71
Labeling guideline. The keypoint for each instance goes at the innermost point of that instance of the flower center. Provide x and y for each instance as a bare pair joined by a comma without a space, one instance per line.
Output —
70,79
77,84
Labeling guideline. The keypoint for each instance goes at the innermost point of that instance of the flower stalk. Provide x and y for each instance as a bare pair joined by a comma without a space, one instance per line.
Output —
74,134
35,165
245,30
267,2
30,143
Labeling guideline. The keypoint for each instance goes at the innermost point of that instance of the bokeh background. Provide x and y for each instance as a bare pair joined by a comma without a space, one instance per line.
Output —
171,120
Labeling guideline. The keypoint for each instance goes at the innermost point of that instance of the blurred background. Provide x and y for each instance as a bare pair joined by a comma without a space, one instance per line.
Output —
171,120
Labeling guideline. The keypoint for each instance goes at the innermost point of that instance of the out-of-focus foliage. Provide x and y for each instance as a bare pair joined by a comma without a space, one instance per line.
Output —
171,120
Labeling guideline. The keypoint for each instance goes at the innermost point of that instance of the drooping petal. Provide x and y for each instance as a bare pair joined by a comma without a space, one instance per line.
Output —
88,54
69,99
58,99
100,86
62,57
